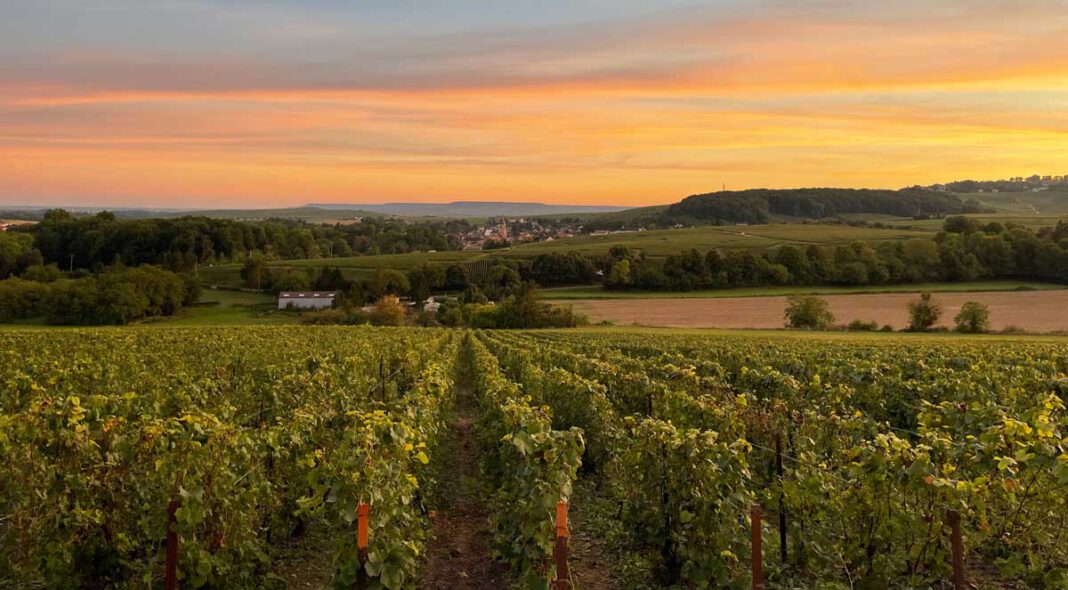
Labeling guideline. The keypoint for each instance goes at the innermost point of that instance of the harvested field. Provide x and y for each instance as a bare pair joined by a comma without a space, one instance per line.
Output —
1039,311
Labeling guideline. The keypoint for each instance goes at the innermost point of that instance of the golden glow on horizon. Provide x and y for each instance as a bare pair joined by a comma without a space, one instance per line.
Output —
829,104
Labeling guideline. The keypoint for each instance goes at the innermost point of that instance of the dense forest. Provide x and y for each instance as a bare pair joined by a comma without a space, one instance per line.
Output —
759,205
966,250
181,244
118,295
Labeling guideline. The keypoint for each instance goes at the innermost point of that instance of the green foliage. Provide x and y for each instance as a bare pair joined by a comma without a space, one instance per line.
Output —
387,311
22,299
116,296
185,243
756,206
388,282
293,280
17,253
973,318
619,276
809,312
101,430
42,273
255,272
562,268
530,465
334,316
924,313
880,438
960,254
862,326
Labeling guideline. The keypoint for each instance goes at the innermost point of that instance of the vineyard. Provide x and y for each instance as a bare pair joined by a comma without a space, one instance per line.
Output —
135,455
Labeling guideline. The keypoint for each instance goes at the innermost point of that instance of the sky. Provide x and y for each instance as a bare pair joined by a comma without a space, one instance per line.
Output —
266,103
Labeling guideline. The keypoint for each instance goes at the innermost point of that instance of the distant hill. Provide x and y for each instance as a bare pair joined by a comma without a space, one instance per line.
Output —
770,205
761,205
470,209
1052,201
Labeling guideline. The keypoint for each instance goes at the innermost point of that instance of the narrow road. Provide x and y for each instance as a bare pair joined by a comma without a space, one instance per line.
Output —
459,554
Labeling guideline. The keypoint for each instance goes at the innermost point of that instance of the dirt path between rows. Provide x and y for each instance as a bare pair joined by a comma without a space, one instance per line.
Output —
459,555
590,568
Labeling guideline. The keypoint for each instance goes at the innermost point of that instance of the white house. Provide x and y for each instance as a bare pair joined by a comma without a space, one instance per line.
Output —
306,299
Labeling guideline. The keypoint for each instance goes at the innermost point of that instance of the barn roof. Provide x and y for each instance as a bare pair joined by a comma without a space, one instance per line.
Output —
306,294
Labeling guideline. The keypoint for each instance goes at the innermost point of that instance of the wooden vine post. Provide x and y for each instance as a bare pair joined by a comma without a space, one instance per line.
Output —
758,558
170,575
382,378
563,573
957,545
363,514
782,499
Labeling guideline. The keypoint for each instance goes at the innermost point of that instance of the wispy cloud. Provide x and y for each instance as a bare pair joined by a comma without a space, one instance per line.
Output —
279,102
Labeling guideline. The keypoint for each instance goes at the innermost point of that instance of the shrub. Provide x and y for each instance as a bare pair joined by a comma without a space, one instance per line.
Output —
924,313
323,317
808,312
862,326
427,319
974,318
43,274
387,311
20,299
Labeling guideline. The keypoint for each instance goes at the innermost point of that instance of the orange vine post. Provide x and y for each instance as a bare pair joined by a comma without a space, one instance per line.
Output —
758,558
563,573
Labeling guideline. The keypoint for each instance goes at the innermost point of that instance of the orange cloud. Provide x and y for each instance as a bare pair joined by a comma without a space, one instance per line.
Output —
636,115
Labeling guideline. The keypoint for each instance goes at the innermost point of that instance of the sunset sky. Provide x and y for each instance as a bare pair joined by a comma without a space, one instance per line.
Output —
242,103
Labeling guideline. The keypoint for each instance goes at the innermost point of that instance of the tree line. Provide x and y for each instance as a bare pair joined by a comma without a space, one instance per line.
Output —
965,250
759,205
181,244
118,295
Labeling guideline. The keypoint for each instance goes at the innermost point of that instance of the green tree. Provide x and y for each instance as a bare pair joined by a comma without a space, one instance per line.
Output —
388,282
15,250
924,313
120,303
293,280
21,299
424,279
795,262
255,271
973,318
455,277
806,311
43,274
387,312
619,276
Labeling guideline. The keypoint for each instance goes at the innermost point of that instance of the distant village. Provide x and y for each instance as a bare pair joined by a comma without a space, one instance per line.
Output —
503,232
1034,183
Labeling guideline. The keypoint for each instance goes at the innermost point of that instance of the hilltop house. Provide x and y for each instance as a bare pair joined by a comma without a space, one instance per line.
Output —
306,299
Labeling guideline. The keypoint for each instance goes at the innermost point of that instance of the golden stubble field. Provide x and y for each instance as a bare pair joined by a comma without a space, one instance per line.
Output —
1034,311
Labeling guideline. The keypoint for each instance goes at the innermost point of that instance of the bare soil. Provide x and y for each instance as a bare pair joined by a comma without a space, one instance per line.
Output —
1032,311
306,562
459,555
591,566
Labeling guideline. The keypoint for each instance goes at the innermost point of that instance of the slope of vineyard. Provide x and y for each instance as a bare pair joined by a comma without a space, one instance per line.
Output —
858,450
878,441
250,433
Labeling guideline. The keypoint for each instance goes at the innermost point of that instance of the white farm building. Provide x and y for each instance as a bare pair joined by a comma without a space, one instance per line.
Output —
306,299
